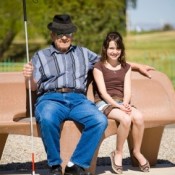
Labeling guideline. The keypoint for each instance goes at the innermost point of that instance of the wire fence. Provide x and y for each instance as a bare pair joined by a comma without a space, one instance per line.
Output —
11,67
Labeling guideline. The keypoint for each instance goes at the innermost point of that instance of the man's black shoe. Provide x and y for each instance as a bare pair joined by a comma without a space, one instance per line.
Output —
56,170
75,170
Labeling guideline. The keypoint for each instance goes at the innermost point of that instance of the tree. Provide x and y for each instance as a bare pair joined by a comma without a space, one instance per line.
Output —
11,18
129,4
94,20
9,24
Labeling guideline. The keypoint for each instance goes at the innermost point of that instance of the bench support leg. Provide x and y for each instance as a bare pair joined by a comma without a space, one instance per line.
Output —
150,144
92,168
70,135
2,143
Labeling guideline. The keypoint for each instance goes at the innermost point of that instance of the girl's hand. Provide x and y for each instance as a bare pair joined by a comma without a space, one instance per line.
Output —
126,108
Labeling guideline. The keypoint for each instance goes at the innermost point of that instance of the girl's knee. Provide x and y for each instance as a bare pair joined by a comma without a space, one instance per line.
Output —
138,119
126,121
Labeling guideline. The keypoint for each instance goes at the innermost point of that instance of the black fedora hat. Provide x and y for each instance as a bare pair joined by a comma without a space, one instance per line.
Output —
62,24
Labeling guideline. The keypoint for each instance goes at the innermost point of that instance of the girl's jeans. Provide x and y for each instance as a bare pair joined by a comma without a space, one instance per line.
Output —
53,108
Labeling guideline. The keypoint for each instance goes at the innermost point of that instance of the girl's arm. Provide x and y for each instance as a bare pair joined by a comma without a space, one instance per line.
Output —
127,87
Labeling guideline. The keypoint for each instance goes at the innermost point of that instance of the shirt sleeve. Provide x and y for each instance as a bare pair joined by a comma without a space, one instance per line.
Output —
98,66
127,66
93,58
37,67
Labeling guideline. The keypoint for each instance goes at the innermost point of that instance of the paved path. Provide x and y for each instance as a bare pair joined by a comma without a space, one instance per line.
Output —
17,156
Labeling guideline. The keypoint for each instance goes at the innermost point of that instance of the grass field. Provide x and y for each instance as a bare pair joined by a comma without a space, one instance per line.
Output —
150,46
156,49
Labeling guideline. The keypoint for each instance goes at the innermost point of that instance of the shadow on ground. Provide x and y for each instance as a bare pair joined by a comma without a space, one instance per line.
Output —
101,161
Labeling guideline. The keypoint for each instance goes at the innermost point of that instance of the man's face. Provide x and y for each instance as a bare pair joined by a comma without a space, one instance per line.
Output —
62,41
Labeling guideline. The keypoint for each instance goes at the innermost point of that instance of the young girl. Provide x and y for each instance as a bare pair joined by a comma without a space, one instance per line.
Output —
113,79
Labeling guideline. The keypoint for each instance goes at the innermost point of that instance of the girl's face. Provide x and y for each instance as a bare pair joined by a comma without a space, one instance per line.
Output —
113,53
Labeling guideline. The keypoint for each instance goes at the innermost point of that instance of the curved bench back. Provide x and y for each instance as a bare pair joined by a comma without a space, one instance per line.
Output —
155,97
12,95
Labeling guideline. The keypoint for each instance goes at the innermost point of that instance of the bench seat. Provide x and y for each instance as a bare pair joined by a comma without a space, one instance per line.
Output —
154,97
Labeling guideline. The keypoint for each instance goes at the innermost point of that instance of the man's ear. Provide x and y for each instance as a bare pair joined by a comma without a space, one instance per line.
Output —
52,35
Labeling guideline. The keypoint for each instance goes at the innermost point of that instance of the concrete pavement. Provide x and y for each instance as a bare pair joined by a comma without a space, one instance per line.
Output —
160,169
13,163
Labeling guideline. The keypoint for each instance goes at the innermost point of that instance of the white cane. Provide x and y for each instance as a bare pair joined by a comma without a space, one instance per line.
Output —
29,89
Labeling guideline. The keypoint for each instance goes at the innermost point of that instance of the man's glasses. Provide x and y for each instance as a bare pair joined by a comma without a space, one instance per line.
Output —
68,35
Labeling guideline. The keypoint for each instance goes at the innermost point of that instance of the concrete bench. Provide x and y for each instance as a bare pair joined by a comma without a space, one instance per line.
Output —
154,97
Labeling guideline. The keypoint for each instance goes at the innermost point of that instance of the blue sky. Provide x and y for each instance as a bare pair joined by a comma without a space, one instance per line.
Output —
150,14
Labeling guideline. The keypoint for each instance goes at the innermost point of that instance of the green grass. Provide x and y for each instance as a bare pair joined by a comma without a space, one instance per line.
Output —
11,67
153,45
156,49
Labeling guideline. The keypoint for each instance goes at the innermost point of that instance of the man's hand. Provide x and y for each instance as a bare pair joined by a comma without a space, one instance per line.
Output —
28,70
28,74
144,69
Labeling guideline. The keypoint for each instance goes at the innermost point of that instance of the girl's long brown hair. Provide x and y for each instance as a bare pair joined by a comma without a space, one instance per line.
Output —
117,38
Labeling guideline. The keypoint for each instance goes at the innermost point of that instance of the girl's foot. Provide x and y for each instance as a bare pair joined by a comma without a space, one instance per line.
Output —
116,168
143,162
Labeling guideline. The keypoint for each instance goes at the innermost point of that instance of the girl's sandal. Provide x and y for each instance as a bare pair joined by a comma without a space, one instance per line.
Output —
145,167
116,168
